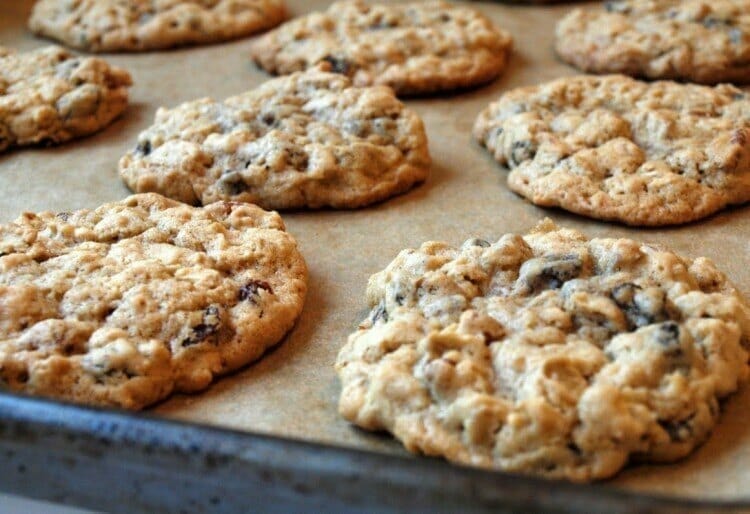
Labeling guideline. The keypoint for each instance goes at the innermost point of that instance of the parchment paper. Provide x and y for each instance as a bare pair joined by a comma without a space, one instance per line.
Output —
293,390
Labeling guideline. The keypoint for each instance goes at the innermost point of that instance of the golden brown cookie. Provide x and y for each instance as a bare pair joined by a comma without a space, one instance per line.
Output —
548,353
614,148
413,48
705,41
136,25
51,96
126,303
306,140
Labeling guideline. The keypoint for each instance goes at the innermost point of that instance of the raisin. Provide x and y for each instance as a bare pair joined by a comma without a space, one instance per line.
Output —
624,294
551,271
355,128
713,408
575,449
379,313
250,291
739,137
628,297
338,64
119,373
383,127
63,215
477,242
396,293
268,118
710,22
617,6
206,328
668,335
380,25
232,184
298,159
736,36
521,151
678,430
200,332
667,339
143,147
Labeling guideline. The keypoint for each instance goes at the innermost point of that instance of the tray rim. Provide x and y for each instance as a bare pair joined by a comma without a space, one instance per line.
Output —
52,448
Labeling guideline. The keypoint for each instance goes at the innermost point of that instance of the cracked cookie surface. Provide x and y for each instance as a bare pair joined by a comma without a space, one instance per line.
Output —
305,140
614,148
51,96
693,40
548,354
123,304
413,48
134,25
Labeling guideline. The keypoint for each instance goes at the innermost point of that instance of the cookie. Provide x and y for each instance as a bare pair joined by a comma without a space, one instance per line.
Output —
124,304
550,353
50,96
414,48
137,25
691,40
614,148
305,140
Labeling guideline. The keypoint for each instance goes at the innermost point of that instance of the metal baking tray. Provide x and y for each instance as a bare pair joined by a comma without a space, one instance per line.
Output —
127,463
268,438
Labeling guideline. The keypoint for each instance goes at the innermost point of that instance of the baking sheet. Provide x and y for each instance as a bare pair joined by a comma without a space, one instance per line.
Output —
293,390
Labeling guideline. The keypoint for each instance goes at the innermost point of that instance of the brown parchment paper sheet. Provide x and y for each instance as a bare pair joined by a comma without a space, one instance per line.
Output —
293,390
